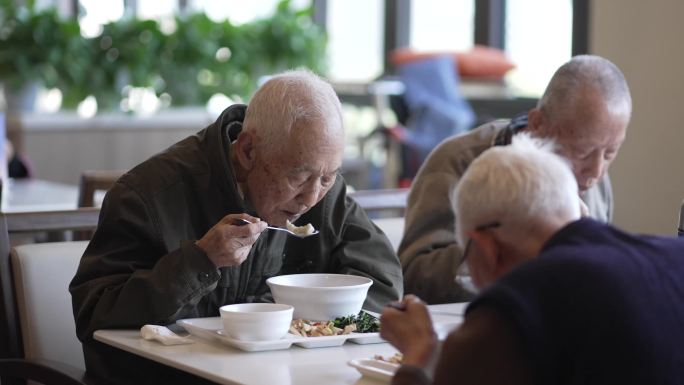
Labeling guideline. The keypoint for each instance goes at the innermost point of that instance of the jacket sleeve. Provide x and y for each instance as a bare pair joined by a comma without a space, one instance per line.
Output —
429,252
127,277
410,375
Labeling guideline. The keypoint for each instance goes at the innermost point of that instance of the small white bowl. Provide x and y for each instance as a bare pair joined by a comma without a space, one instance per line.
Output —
320,297
256,321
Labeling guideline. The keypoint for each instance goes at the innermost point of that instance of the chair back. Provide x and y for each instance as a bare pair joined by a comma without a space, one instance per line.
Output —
95,180
15,274
42,273
10,338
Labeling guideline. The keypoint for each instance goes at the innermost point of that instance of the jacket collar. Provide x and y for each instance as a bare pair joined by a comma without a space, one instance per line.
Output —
218,138
505,136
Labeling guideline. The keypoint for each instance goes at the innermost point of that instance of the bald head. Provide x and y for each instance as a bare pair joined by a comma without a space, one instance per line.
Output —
290,150
586,76
294,103
586,109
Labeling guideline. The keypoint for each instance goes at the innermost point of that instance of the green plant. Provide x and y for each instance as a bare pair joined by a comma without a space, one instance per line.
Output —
41,46
204,57
198,59
126,53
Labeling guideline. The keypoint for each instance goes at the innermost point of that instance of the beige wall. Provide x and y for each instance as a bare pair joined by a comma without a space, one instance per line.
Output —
646,39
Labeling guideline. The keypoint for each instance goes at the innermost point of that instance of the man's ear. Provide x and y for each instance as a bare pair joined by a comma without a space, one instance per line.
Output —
244,150
536,122
489,251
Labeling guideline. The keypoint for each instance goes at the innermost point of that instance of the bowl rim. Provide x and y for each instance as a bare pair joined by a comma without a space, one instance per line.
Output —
368,282
283,308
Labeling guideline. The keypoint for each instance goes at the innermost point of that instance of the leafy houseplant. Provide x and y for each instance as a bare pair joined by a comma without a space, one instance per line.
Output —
200,58
40,46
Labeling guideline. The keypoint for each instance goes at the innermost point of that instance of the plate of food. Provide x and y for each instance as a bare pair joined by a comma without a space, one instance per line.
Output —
360,329
378,367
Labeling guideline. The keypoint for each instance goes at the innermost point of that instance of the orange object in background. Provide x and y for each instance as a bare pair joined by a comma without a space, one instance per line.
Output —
480,62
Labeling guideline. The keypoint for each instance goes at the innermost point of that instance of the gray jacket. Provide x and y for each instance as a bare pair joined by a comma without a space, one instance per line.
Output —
429,252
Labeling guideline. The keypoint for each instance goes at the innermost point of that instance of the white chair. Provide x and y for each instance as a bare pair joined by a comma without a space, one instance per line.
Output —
393,229
42,273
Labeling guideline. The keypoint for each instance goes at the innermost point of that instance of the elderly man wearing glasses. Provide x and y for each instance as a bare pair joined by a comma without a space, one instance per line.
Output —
566,300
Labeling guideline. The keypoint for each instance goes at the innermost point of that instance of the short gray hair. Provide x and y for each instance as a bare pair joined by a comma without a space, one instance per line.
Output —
582,73
290,100
520,186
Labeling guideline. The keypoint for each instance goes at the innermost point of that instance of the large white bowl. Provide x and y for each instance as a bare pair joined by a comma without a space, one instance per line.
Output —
256,321
320,297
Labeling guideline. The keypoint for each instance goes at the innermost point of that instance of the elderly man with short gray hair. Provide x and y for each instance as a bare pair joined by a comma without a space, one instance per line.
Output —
172,241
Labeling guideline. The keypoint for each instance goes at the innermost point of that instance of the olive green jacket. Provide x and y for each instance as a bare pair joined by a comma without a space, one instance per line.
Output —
142,266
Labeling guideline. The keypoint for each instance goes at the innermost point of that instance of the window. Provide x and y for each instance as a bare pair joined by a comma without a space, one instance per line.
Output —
160,10
537,48
96,13
237,11
438,25
355,39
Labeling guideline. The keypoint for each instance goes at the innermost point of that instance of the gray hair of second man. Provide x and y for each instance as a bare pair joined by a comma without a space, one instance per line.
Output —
582,73
293,100
519,186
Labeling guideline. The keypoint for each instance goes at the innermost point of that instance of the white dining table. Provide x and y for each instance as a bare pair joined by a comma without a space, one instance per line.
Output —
24,195
212,360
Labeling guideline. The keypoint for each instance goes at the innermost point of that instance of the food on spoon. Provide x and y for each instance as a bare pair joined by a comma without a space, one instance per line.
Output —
307,229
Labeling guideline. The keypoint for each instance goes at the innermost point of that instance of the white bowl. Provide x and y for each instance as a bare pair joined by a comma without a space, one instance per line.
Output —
320,297
256,321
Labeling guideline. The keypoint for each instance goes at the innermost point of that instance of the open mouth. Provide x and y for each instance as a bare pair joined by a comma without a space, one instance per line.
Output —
292,216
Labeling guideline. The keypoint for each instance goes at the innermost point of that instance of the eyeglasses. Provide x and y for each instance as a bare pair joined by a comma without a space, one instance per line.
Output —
462,274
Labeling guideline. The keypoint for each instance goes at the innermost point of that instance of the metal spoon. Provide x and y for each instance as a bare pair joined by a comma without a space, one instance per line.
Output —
285,230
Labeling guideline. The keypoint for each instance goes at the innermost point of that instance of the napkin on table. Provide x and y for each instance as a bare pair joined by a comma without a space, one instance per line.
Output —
163,335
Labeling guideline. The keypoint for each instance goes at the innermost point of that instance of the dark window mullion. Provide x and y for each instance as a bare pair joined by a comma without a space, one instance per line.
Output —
397,29
490,23
580,27
320,13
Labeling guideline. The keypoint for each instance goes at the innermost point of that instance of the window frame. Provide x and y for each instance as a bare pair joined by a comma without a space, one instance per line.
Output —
490,23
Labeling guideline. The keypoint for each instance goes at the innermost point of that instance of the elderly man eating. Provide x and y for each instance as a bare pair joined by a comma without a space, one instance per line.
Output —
566,300
586,109
184,232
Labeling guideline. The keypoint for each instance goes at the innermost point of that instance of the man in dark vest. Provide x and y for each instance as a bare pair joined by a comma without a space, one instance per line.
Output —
565,300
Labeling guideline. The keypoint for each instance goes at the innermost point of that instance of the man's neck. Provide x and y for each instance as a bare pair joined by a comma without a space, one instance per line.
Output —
529,244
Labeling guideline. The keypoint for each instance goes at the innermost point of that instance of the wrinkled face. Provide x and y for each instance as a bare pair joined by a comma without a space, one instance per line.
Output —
590,140
286,184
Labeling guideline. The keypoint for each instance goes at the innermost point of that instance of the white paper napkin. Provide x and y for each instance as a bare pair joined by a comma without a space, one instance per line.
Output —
163,334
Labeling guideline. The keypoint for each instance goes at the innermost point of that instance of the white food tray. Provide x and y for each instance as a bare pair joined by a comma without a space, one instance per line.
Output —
212,328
